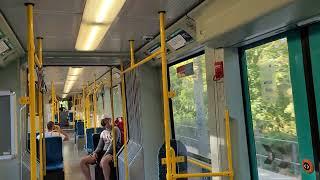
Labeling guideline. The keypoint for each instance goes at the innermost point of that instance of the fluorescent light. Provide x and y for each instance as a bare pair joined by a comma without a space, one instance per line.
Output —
72,77
96,20
90,36
74,71
102,11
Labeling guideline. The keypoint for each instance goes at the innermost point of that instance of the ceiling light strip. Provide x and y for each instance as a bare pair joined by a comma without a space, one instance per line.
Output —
96,20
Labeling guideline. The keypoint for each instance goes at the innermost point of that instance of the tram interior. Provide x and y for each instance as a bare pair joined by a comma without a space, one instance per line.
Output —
241,79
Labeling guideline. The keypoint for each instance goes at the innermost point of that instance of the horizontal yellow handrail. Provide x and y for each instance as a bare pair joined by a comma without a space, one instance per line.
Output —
212,174
155,54
200,164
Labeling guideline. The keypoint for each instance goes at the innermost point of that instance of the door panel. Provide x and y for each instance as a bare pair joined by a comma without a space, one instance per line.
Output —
314,40
300,102
278,121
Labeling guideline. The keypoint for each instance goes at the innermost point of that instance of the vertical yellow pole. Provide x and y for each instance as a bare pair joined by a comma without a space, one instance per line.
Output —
53,107
125,126
165,94
173,162
88,108
58,111
84,116
32,98
74,107
113,121
228,141
94,105
131,42
40,101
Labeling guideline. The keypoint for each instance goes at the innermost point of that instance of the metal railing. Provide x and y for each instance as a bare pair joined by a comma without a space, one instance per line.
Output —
291,161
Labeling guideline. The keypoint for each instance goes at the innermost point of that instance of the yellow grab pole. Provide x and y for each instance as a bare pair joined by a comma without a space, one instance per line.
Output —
84,116
173,161
94,105
58,111
131,42
74,107
32,93
211,174
53,107
125,126
200,164
113,121
143,61
228,141
40,101
37,61
165,94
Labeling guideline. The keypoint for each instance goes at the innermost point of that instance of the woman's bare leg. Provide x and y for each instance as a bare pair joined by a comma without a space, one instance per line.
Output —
84,164
104,163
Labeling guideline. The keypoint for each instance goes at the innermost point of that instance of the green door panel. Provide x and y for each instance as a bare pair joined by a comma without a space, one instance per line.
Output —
314,40
300,101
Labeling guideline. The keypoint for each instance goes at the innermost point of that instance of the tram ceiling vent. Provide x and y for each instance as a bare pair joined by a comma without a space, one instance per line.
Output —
10,48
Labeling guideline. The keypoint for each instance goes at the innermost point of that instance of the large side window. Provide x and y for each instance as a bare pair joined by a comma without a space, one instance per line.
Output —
189,106
272,116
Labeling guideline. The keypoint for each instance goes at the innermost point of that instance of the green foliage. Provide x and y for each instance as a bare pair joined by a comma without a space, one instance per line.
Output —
184,102
271,117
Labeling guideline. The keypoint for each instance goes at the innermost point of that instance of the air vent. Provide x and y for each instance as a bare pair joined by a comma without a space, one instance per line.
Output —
3,47
10,48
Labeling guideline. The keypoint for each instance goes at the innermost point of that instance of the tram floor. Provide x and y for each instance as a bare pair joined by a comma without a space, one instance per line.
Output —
71,157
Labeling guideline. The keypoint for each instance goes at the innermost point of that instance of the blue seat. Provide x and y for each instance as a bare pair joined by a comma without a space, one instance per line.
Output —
95,139
80,128
54,167
89,139
54,157
99,130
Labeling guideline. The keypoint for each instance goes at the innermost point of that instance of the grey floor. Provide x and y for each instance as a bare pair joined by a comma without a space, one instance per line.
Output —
72,153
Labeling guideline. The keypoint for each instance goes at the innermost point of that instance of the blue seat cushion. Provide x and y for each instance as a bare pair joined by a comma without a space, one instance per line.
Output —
54,167
89,140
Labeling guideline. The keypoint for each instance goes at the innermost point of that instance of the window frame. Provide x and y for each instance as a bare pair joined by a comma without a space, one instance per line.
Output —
173,135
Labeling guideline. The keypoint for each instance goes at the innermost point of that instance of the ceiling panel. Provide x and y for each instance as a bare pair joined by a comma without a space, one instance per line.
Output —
58,21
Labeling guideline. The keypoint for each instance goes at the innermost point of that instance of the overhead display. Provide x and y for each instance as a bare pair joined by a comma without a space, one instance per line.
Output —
179,39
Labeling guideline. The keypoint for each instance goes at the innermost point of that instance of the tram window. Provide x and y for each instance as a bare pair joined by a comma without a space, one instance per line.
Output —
190,105
272,111
117,101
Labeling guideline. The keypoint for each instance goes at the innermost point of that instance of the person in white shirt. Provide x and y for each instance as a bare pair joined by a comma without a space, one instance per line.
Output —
103,155
54,131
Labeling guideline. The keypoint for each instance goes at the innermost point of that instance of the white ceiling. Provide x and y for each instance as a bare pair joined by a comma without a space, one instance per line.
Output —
57,75
58,21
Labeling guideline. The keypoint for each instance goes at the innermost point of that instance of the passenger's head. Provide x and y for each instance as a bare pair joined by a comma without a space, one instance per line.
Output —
50,126
106,122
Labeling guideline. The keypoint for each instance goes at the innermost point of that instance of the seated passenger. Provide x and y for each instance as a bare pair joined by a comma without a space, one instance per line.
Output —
104,151
55,131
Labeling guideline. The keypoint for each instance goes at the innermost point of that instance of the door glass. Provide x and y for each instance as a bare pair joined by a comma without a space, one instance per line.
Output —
190,105
272,111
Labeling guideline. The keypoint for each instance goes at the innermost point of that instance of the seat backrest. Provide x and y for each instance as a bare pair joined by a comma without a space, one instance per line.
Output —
54,150
80,128
99,130
180,150
96,138
89,142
